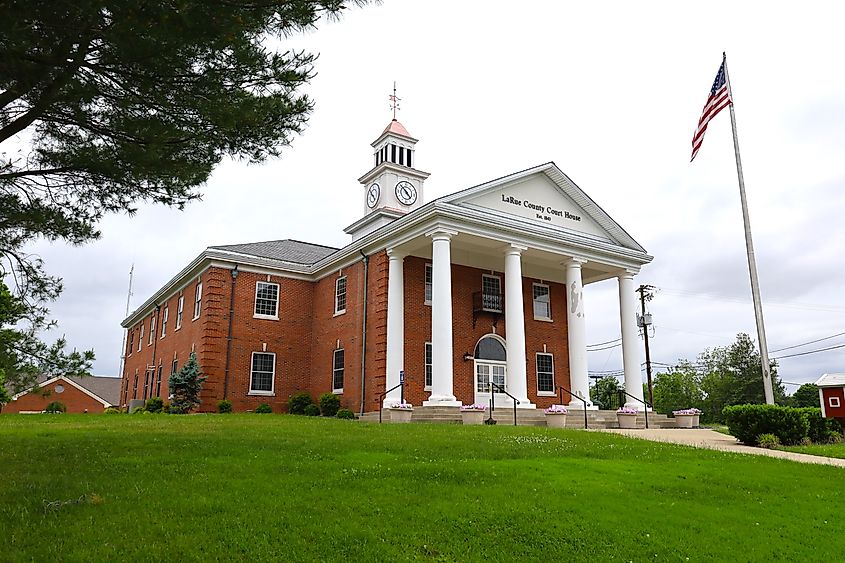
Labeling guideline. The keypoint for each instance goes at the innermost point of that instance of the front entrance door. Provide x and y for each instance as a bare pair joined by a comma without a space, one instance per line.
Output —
485,372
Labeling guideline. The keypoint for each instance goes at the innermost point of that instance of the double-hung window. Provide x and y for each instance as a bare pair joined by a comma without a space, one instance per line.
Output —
152,329
428,377
263,373
545,373
164,318
131,342
428,281
542,302
141,337
491,293
340,295
267,300
198,301
179,309
337,371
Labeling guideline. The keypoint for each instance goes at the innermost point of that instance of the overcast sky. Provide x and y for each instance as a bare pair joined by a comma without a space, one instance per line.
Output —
611,92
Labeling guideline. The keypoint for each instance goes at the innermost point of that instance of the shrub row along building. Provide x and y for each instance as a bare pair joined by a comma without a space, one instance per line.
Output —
449,297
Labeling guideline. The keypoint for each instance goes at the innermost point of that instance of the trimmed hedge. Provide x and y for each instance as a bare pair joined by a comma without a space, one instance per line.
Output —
329,404
224,406
298,401
749,422
312,410
821,430
346,414
154,404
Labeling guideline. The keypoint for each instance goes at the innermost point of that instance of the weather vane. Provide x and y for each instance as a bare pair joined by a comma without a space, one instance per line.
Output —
394,101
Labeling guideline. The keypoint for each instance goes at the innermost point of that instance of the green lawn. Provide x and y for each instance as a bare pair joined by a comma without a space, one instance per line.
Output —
252,487
827,450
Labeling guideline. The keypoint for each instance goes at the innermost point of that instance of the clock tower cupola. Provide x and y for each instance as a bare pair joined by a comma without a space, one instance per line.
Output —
393,187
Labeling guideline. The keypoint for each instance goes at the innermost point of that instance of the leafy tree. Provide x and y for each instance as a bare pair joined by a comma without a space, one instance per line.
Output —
733,376
185,386
805,396
605,392
107,103
677,389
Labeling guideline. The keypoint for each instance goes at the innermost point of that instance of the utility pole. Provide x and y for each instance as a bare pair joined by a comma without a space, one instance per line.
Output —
646,294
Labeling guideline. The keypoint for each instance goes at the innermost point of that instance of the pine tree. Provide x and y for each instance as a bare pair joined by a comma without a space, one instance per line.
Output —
185,386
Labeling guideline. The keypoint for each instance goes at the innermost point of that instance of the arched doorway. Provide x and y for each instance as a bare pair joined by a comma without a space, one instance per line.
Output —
490,365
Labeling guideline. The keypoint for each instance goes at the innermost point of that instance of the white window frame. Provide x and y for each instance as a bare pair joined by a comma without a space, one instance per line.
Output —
141,337
164,318
338,390
272,391
498,295
338,294
131,337
152,329
197,301
537,374
428,282
548,303
427,366
180,308
830,402
275,315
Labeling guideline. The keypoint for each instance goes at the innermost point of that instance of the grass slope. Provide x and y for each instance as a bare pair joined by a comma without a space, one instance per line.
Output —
826,450
250,487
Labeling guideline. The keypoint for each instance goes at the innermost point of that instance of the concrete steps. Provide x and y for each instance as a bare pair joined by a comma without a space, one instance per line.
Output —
525,417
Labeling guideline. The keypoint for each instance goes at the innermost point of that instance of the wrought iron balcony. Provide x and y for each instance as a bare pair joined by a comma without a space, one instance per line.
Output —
487,303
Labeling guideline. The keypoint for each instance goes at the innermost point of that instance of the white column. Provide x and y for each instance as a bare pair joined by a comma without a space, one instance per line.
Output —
517,381
630,348
442,392
395,324
577,332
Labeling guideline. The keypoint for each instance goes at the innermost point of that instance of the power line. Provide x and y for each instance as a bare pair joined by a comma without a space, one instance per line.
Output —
603,343
810,342
810,352
605,348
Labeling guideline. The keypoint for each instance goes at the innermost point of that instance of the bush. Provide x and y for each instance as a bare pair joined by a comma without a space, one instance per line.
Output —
139,410
174,409
346,414
154,404
768,441
312,410
821,430
748,422
112,410
329,404
56,407
298,401
224,406
263,408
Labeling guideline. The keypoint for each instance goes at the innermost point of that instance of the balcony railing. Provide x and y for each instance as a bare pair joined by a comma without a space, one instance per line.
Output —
487,303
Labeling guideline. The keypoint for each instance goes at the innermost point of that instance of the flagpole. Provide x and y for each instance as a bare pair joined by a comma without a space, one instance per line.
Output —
752,263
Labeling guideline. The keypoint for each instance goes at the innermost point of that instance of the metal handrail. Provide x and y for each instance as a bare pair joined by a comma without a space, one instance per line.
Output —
644,402
493,402
383,395
571,394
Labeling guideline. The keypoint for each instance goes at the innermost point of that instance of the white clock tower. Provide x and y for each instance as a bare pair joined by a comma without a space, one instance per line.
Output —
393,187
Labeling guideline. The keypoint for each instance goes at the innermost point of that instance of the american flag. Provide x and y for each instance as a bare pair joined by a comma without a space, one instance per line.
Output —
718,100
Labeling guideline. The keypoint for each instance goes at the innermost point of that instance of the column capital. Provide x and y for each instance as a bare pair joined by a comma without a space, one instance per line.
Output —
396,254
627,273
516,249
441,233
575,261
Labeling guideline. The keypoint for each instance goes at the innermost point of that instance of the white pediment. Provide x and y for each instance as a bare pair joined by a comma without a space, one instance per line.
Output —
545,196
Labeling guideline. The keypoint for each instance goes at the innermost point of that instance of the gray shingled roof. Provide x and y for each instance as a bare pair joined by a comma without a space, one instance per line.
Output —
286,250
106,388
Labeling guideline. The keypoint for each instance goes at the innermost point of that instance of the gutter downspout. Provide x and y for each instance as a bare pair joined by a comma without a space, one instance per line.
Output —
155,346
229,332
364,330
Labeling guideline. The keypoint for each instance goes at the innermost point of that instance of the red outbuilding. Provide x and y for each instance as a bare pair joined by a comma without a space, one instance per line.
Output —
832,395
77,394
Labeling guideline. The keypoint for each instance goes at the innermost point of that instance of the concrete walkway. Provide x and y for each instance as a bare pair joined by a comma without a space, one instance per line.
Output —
710,439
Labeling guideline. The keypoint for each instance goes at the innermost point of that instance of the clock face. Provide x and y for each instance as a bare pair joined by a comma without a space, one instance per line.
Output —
372,195
406,192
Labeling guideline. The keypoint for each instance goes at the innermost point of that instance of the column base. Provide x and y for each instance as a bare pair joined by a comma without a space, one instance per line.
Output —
444,401
638,406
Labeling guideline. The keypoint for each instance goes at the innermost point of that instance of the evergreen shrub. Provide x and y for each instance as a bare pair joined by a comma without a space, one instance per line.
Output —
154,404
821,430
224,406
263,408
312,410
748,422
768,441
329,404
346,414
298,401
56,407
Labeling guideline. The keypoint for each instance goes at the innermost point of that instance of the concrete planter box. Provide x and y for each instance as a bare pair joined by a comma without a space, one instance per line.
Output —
472,417
695,422
684,420
626,420
401,415
555,420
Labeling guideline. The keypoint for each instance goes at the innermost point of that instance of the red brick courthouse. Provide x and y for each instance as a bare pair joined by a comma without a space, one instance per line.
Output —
482,285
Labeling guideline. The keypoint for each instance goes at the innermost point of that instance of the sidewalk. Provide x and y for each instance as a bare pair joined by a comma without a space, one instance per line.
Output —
710,439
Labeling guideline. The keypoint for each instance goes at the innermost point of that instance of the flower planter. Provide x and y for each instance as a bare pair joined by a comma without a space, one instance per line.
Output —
401,415
472,417
556,420
626,420
684,420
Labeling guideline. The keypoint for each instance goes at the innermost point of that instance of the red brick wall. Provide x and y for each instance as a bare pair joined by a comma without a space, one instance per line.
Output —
75,400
